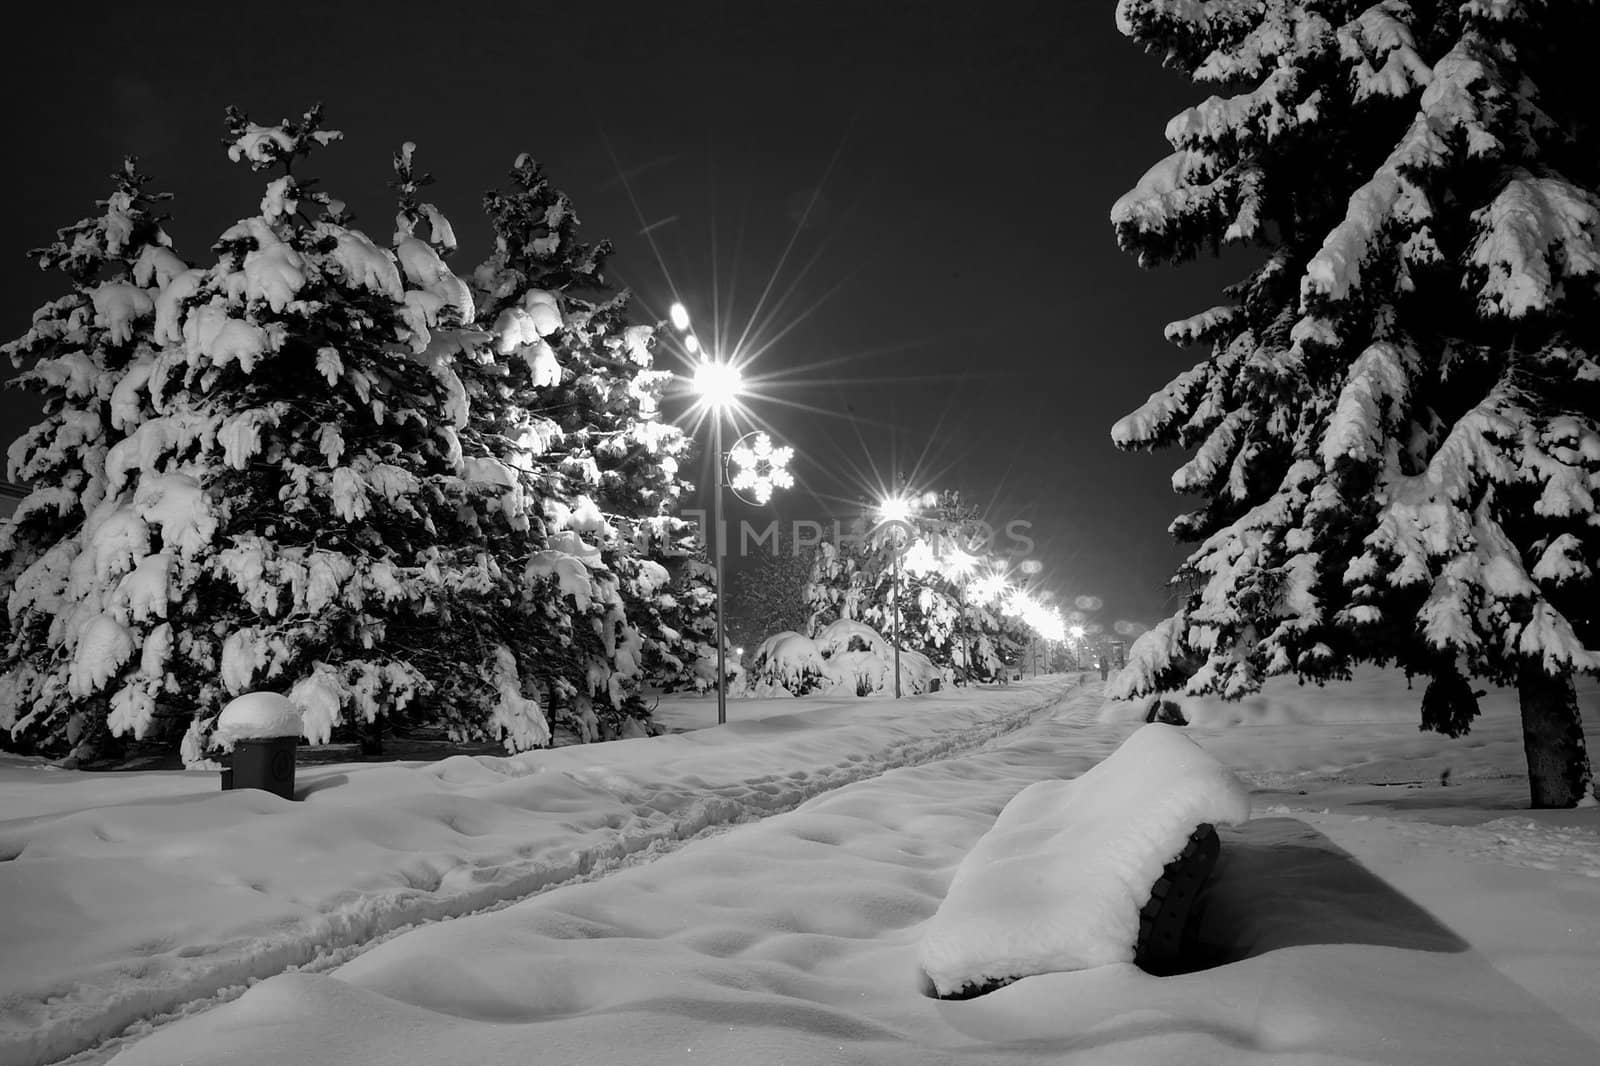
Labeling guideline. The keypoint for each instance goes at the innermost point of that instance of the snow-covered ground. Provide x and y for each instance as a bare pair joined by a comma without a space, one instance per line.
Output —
1374,910
130,894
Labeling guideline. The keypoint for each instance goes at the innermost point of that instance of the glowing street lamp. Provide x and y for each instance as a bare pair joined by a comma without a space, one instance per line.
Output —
991,587
959,564
717,384
896,510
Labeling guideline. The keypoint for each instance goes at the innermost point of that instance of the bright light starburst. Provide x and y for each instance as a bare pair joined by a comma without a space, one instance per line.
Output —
990,587
895,510
717,383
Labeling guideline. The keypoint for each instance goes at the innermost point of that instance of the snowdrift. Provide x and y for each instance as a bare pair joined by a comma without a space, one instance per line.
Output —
1057,884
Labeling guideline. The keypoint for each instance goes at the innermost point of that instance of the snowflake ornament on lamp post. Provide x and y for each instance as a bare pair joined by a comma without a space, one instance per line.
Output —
757,467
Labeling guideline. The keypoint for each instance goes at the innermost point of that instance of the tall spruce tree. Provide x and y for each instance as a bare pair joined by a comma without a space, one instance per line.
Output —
580,389
1395,433
87,355
291,509
347,568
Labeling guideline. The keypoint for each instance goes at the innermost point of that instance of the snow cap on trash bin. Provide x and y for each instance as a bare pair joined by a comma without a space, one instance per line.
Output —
257,716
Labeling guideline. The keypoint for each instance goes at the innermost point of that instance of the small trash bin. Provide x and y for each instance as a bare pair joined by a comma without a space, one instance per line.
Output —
262,730
266,764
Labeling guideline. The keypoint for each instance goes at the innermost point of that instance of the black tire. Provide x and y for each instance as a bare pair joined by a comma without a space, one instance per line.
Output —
1168,919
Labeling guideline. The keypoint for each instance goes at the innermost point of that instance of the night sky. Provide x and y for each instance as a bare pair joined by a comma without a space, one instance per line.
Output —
920,190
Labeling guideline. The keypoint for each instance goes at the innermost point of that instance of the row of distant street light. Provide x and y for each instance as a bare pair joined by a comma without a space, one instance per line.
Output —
755,467
962,569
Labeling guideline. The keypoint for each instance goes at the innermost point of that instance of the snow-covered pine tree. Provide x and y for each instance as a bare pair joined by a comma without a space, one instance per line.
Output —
501,528
676,620
945,618
87,355
288,515
963,613
1394,435
554,611
581,390
850,578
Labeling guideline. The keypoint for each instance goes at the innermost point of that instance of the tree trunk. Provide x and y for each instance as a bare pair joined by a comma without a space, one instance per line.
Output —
1552,738
371,737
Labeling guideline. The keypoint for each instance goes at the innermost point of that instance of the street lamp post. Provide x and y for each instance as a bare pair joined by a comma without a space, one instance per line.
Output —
717,385
717,550
761,468
894,598
895,511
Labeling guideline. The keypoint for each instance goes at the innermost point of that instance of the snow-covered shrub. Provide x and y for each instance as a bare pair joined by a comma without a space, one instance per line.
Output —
846,658
848,635
785,663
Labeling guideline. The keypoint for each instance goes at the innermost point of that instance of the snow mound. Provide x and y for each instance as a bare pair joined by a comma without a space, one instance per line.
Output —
257,716
1057,883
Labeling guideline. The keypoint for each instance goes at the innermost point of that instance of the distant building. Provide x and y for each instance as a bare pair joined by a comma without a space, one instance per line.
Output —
1115,653
10,496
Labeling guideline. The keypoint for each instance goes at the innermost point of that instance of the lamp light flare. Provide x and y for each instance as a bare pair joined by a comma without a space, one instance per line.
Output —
990,587
680,317
691,344
895,509
960,564
717,383
1045,621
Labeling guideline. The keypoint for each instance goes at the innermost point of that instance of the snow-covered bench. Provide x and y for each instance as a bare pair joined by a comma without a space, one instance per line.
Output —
1075,873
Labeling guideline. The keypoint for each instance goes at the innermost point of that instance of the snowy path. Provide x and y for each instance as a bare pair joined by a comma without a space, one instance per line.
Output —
131,895
794,940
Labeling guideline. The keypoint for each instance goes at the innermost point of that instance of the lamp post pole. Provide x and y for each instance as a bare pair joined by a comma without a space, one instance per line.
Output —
894,596
895,514
717,551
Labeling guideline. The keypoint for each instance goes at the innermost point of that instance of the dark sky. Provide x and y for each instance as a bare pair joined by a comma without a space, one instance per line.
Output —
956,308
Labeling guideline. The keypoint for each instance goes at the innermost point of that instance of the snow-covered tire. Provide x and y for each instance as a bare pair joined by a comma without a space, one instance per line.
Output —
1168,920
